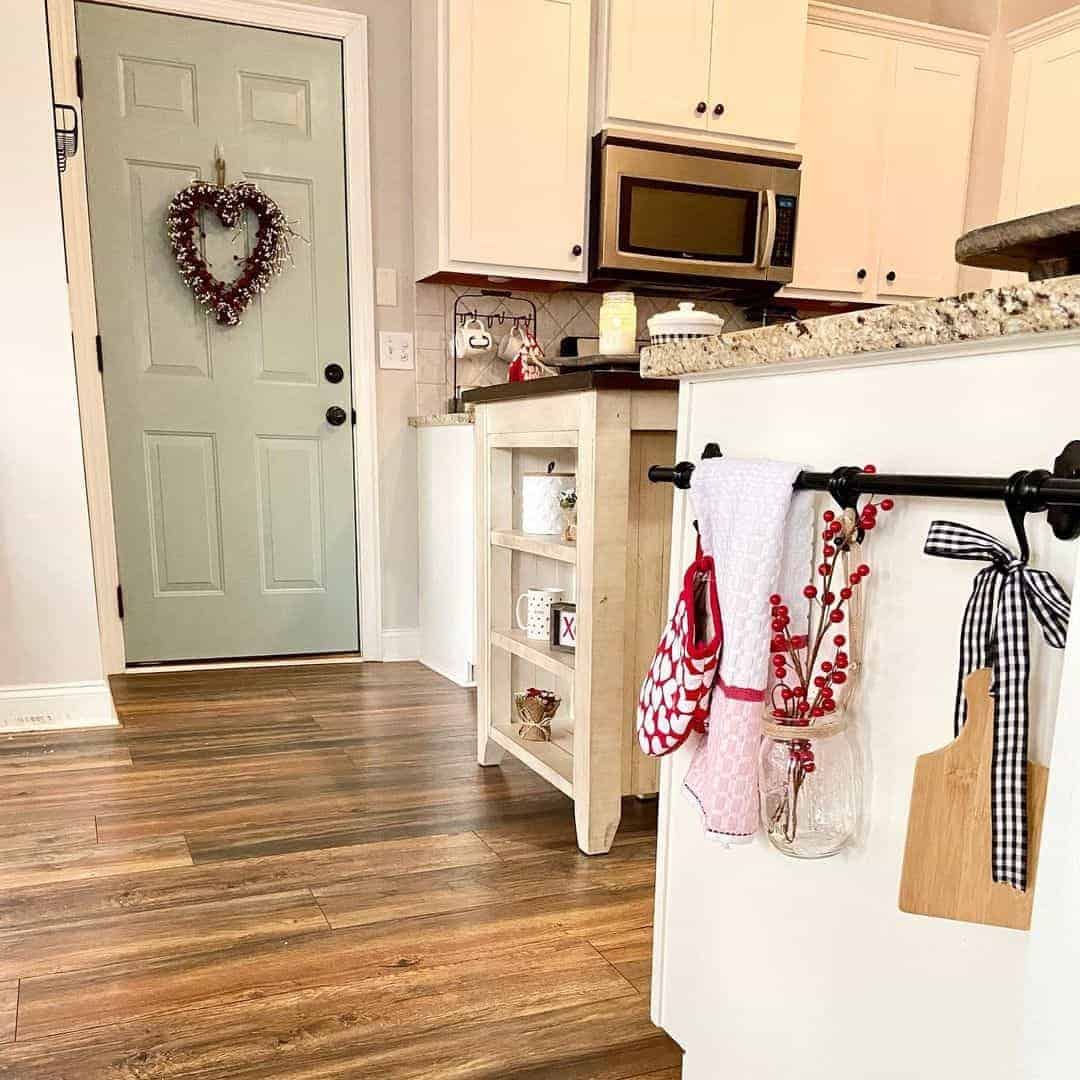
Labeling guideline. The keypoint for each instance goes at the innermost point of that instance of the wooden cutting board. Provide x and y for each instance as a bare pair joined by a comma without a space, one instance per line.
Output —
947,856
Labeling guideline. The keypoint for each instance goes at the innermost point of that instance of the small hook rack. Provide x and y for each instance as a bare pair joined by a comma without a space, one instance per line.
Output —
464,313
66,123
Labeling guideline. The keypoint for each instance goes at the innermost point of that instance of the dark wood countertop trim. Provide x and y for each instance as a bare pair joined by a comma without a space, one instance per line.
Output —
565,384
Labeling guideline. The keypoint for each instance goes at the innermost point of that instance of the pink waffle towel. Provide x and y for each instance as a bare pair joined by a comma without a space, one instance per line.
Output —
759,534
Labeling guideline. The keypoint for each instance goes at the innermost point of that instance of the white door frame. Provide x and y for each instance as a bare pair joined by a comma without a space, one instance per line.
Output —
351,30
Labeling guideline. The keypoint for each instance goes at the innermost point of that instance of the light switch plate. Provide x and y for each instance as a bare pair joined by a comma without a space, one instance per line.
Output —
386,286
395,350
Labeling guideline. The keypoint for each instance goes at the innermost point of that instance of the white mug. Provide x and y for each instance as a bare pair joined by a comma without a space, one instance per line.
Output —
537,626
473,339
512,343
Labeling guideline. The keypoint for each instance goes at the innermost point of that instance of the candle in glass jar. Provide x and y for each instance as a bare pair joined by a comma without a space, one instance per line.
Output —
618,324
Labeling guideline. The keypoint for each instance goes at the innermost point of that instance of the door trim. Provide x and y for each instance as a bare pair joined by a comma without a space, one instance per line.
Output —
351,30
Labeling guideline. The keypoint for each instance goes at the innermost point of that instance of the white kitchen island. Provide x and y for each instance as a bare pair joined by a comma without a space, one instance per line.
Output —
771,968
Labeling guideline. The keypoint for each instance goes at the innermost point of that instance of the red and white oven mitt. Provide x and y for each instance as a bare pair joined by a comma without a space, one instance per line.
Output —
675,695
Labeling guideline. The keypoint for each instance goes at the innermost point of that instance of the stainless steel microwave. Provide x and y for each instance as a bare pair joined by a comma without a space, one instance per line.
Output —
681,214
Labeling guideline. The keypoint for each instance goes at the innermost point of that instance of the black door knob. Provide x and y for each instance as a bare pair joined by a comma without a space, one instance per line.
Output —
334,373
700,108
336,415
861,275
576,249
718,110
890,276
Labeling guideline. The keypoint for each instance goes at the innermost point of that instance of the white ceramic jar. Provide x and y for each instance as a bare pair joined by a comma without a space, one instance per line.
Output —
618,324
540,510
683,325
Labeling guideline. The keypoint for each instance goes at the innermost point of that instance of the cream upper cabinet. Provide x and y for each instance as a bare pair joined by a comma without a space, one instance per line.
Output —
886,143
1042,164
928,146
730,68
500,137
756,70
658,70
843,111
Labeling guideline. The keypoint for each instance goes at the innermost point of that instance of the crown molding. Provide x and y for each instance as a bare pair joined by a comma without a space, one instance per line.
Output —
889,26
1033,34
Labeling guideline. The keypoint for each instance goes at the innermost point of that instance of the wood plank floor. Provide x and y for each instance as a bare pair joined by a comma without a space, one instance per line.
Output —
301,872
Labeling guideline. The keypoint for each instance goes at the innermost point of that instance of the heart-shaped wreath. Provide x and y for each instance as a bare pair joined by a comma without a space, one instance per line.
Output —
226,301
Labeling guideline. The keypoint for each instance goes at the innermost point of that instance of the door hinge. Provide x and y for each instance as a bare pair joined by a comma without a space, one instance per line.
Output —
354,418
120,600
100,354
78,78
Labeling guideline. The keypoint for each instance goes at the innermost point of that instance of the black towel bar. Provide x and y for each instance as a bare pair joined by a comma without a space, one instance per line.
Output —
1057,492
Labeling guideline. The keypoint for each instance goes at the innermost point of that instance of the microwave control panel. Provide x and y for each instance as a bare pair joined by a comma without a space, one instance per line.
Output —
783,252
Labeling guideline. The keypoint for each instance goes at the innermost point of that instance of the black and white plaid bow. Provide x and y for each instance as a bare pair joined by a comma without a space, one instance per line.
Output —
995,635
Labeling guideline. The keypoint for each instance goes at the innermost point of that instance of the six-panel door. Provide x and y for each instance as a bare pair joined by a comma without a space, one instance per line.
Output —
234,496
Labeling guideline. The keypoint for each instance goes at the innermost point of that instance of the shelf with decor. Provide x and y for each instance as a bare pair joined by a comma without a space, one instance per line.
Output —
603,438
547,545
543,655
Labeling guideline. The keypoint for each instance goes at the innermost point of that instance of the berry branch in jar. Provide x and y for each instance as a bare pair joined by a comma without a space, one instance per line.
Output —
808,668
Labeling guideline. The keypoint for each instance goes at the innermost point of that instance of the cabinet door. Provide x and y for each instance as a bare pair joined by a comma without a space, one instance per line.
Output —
842,118
658,61
756,75
927,152
518,132
1042,165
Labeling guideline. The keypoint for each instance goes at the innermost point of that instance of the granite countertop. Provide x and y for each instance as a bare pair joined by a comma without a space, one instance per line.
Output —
1027,308
453,419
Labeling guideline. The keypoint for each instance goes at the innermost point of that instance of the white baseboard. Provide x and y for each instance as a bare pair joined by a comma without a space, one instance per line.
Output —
56,706
402,643
454,677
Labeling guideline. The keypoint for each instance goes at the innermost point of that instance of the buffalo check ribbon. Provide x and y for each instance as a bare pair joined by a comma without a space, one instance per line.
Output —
994,634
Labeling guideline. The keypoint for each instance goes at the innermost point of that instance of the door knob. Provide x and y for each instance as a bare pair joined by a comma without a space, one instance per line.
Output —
575,250
700,108
336,415
718,110
334,373
861,275
890,276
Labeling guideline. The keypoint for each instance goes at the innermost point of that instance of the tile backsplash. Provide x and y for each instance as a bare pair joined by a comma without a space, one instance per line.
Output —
558,315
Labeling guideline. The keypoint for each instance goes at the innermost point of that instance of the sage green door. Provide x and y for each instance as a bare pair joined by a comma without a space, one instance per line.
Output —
233,494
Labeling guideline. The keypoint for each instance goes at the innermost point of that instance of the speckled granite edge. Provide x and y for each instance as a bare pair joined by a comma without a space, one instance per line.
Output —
442,420
1029,308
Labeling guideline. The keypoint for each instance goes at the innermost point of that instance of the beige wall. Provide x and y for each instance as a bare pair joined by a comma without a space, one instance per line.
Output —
1017,13
48,615
391,136
978,16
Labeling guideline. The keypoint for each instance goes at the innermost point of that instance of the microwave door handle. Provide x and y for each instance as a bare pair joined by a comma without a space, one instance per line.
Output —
765,257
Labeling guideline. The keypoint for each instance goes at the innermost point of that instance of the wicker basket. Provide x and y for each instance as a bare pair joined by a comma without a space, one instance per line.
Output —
534,715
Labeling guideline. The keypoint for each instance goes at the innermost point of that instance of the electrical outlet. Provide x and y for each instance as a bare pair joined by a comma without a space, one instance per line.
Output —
395,350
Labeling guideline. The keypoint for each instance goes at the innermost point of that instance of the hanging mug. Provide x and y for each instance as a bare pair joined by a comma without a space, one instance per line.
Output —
537,623
512,344
473,339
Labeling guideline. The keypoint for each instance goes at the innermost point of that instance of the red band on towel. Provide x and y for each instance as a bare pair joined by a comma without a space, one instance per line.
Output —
740,693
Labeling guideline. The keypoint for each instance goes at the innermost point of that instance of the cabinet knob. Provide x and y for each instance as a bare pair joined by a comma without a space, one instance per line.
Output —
718,110
576,249
890,276
861,275
700,108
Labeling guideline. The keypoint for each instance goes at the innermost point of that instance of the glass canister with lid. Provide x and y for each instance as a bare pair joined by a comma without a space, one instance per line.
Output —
618,324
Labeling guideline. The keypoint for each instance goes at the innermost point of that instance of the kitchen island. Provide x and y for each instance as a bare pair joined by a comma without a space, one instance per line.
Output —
772,967
606,428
